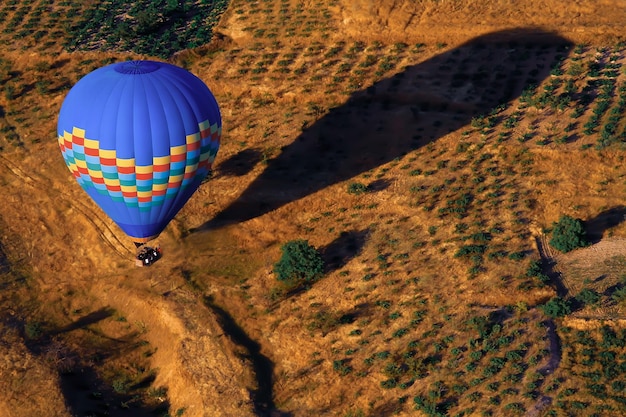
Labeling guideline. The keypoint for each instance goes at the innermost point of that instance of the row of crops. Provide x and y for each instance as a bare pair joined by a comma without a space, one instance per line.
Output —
157,28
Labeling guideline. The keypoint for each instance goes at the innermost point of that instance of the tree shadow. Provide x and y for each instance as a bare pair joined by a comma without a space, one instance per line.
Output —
89,319
86,394
378,185
611,290
59,63
64,86
359,310
339,252
400,114
598,225
555,278
84,390
324,321
600,278
11,75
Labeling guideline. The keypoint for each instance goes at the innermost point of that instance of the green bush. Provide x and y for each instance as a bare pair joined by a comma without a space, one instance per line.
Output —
33,330
619,295
120,385
568,234
556,307
357,188
588,297
300,262
342,366
535,269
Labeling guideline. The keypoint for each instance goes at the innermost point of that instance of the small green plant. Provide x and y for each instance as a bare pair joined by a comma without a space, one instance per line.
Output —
356,413
357,188
342,366
120,385
300,262
33,330
157,392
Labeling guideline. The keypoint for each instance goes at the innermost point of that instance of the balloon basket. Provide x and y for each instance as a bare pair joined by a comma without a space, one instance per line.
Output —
147,255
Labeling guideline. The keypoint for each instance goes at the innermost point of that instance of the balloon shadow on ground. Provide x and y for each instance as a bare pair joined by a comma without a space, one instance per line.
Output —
398,115
240,163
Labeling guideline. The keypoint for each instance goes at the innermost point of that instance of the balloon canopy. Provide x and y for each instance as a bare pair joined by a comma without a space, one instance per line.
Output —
139,137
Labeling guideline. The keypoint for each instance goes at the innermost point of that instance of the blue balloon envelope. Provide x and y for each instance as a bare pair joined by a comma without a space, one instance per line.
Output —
139,137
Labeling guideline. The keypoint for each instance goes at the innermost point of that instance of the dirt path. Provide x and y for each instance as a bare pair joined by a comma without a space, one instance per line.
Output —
552,364
196,361
194,358
99,223
592,258
551,265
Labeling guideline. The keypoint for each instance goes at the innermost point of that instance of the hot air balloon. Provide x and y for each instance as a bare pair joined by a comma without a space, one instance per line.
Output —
140,137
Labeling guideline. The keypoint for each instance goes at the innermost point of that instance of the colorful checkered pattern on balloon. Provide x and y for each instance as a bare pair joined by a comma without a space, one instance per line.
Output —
137,185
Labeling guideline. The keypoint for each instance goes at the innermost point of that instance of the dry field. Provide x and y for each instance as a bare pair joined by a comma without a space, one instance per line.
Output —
424,147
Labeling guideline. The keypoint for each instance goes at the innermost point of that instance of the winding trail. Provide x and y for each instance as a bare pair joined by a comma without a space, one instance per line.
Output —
551,265
101,226
196,359
593,258
562,286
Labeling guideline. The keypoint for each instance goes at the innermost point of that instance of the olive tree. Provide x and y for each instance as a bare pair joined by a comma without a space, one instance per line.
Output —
300,263
568,234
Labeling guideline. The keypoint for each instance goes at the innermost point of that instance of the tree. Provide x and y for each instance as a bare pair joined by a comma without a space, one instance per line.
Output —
568,234
556,307
300,262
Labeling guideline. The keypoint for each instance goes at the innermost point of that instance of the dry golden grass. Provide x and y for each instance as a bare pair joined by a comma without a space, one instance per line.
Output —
317,96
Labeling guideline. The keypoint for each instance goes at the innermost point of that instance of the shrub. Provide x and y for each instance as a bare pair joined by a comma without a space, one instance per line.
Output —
389,383
342,366
556,307
120,385
568,234
33,330
467,250
588,296
516,256
516,408
535,270
619,295
300,262
357,188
